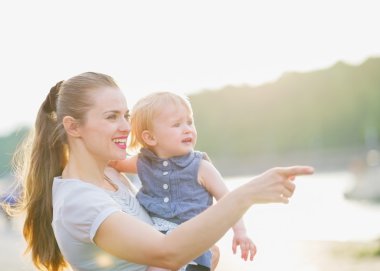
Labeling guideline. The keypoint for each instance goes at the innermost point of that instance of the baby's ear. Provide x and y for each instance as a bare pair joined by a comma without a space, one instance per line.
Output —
148,138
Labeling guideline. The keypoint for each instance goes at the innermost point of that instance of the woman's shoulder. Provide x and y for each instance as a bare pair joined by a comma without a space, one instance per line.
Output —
74,193
73,186
78,199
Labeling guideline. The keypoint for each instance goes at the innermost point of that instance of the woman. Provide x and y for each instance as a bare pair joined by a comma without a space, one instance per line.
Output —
83,214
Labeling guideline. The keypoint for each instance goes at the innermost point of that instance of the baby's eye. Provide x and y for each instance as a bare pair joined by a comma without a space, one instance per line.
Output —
127,116
177,124
190,122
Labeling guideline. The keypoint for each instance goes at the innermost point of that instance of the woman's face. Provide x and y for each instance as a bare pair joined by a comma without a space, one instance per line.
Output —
106,126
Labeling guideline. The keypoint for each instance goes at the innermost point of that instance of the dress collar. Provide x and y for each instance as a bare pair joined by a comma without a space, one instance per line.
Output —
180,161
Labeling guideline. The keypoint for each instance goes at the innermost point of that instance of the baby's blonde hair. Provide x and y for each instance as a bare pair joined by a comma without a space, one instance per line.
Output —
146,109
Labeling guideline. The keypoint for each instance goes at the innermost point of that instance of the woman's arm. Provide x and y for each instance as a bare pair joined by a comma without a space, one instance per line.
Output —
126,237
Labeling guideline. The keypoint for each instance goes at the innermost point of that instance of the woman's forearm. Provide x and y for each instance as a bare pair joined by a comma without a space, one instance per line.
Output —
199,233
127,237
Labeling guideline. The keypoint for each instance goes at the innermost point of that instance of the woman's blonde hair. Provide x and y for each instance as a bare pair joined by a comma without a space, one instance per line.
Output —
146,109
43,157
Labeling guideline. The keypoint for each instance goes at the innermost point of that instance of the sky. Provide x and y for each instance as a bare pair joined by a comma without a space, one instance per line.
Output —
174,45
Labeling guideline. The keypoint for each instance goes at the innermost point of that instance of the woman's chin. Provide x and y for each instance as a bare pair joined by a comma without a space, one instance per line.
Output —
120,156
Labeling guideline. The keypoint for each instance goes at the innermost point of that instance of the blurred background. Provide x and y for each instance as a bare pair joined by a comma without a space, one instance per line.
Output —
271,84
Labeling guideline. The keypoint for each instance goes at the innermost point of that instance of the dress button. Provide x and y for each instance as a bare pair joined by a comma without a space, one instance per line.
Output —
165,186
166,199
165,173
165,163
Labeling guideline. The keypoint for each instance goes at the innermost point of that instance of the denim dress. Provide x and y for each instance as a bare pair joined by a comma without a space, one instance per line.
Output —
171,192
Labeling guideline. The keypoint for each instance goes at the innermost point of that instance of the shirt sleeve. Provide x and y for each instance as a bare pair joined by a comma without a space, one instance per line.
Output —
84,210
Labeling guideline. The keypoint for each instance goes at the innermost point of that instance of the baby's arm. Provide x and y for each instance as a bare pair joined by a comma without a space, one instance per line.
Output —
211,179
247,247
128,165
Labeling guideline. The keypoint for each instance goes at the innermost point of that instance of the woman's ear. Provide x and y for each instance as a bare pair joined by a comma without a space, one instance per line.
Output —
71,126
148,138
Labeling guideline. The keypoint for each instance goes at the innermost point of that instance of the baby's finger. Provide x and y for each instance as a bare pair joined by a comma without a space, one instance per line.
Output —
253,250
244,252
234,246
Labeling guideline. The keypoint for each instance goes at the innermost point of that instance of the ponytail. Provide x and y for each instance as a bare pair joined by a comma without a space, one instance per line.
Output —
50,103
45,161
45,158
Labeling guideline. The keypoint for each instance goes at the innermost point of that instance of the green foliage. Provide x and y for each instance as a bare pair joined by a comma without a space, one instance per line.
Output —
332,109
301,112
8,145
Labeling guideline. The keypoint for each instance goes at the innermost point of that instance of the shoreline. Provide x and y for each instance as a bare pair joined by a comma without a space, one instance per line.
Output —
309,255
286,255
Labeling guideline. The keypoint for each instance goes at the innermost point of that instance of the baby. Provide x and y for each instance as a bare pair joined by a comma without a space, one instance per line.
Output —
177,182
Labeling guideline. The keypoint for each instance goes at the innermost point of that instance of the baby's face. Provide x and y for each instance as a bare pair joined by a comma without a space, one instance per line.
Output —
174,132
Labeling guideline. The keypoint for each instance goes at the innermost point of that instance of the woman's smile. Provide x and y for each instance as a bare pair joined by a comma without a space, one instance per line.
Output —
121,142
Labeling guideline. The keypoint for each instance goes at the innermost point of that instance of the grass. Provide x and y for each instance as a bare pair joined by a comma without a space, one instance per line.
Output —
357,250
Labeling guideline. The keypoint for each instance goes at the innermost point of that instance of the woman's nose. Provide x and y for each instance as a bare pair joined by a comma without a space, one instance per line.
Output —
125,125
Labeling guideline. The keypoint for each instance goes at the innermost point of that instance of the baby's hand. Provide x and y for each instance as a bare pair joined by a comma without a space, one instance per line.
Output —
128,165
247,247
112,163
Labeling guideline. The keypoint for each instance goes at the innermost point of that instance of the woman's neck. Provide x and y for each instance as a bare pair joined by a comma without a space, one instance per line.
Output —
83,166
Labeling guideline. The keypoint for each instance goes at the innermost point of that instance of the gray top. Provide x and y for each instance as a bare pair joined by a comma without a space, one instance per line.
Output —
79,208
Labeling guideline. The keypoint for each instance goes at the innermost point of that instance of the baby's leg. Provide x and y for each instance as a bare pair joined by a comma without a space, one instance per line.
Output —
152,268
215,257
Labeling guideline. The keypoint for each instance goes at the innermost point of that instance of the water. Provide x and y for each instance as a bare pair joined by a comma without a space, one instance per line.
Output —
287,236
318,213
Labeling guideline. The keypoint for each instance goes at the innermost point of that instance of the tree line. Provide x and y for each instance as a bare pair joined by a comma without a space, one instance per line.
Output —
334,109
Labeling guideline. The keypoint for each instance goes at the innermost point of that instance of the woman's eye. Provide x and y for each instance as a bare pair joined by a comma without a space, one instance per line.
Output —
127,116
111,117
